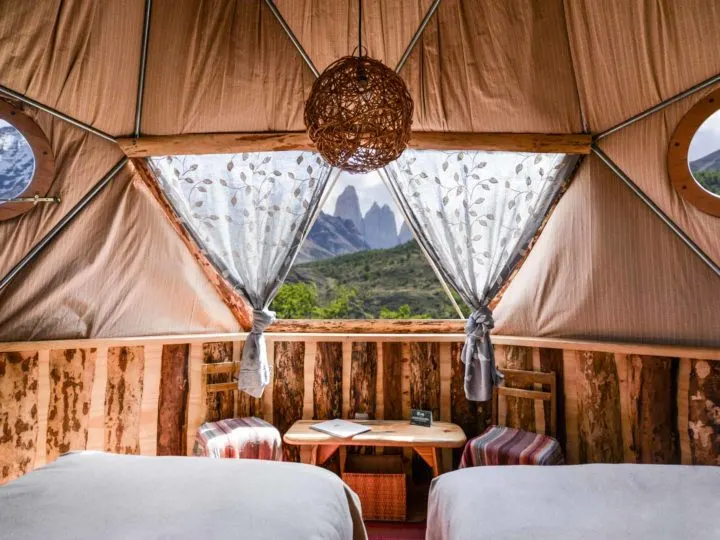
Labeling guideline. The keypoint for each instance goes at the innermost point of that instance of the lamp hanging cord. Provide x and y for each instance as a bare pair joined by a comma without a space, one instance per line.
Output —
359,29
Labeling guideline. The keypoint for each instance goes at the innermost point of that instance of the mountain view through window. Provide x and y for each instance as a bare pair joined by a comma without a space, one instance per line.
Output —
360,261
704,154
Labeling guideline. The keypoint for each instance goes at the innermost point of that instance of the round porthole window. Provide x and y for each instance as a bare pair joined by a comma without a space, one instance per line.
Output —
26,162
694,155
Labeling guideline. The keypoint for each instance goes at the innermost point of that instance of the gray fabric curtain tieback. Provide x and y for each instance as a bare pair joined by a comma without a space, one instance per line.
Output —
254,369
479,357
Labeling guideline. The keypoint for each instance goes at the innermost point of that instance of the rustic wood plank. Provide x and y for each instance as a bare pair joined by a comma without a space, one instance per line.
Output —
542,420
598,409
445,361
551,360
464,412
123,399
43,403
704,412
683,394
392,380
19,413
520,411
380,383
219,405
267,397
149,412
628,418
363,381
196,401
445,369
346,364
570,396
72,372
363,373
309,377
570,143
231,143
326,391
172,403
289,387
425,377
327,381
96,422
343,327
237,305
405,381
214,143
343,331
653,409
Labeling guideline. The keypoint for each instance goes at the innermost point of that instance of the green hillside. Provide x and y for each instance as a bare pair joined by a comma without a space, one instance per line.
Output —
709,179
381,283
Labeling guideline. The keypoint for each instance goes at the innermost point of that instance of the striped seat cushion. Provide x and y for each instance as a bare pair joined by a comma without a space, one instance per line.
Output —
239,438
499,445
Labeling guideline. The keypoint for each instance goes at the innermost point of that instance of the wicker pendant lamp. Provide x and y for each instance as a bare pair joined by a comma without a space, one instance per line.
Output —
359,113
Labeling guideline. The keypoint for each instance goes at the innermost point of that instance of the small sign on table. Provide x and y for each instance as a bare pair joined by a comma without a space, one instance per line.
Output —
418,417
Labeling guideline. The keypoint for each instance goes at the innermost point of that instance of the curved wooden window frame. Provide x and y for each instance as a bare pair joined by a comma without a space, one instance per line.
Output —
678,166
42,153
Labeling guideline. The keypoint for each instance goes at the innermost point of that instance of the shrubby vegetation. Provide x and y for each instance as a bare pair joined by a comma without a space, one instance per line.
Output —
710,180
394,283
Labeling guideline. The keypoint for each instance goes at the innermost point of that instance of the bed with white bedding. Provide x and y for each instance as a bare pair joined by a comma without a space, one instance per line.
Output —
91,495
588,502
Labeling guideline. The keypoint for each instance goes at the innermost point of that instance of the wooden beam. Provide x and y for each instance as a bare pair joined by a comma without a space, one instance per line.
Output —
571,143
399,335
369,326
234,302
232,143
214,143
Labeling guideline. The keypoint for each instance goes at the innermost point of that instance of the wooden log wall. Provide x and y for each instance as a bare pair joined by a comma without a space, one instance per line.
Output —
149,398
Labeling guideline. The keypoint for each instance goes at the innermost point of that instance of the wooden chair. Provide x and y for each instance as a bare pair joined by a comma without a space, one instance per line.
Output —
237,437
501,445
527,378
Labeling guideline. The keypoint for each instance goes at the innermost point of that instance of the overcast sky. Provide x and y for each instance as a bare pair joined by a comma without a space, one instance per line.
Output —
370,189
707,138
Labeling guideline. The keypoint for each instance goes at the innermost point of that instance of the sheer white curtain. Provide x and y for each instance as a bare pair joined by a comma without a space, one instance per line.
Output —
474,214
249,213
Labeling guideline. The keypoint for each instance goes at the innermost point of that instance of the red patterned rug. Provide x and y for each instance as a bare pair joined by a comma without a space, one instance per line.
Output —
382,530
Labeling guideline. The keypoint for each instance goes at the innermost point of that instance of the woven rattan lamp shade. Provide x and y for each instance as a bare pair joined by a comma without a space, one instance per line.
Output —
359,114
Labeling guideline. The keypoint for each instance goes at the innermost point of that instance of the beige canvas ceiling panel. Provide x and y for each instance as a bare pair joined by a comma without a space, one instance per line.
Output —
81,160
118,270
501,65
641,151
606,268
221,65
632,54
78,56
328,29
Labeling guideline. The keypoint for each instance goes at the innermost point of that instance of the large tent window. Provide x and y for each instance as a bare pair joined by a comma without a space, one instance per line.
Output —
694,155
360,261
359,257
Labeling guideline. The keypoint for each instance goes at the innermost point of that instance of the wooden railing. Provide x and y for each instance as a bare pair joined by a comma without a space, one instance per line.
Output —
616,402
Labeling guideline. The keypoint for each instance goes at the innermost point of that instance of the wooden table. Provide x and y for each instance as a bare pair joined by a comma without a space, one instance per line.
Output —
426,441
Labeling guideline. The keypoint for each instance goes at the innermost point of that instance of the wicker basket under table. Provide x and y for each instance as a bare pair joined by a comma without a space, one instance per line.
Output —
380,483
